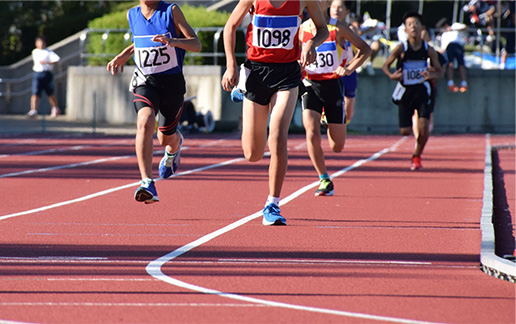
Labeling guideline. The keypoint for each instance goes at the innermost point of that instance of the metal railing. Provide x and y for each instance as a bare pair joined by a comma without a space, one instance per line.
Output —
7,84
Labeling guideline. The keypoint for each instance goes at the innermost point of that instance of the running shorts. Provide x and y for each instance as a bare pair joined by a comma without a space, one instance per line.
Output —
164,93
414,98
350,85
265,79
326,95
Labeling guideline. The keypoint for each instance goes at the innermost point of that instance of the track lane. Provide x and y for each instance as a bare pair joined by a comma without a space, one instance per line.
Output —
98,288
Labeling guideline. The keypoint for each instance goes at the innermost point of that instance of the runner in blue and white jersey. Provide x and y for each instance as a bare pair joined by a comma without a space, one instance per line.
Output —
161,36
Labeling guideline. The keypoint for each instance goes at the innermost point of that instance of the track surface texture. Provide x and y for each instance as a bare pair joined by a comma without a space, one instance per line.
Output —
391,245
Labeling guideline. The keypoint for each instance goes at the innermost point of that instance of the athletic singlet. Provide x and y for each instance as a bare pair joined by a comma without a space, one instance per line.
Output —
330,54
272,35
155,57
413,63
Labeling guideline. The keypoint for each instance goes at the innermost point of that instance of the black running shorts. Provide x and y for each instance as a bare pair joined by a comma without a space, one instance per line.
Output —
165,95
415,98
265,79
326,95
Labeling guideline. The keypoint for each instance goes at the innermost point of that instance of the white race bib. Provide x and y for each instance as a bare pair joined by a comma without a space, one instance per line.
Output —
272,32
153,57
412,72
327,59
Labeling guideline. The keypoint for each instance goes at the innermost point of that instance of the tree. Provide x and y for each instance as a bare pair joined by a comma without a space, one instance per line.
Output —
22,21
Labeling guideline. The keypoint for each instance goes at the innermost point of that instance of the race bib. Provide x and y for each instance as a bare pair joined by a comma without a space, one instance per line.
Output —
153,57
327,59
412,72
272,32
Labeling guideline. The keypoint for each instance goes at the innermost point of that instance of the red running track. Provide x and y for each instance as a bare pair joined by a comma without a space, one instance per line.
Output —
391,246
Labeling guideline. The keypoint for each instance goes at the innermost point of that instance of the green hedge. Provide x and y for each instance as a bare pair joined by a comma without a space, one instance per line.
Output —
196,16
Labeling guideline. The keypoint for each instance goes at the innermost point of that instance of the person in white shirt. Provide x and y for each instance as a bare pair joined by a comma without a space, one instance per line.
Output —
452,42
43,79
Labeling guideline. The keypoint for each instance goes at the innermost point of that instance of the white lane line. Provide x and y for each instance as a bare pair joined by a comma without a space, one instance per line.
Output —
154,268
108,191
125,305
67,166
63,149
316,261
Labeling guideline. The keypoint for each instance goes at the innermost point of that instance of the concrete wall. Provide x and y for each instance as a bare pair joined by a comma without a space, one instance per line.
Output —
488,106
114,102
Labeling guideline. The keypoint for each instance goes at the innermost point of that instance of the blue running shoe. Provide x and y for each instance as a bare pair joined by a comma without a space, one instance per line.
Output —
271,216
170,162
146,193
237,95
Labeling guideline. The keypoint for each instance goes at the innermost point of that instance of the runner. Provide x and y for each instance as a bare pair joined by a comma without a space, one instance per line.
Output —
273,77
341,10
324,90
413,90
161,35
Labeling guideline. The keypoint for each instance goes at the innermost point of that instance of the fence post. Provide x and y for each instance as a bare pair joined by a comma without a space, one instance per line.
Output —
94,119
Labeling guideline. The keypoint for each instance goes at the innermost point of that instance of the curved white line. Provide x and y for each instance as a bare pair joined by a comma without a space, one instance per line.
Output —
154,267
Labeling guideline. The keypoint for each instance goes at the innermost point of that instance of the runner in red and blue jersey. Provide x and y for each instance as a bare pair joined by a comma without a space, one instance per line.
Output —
273,76
324,90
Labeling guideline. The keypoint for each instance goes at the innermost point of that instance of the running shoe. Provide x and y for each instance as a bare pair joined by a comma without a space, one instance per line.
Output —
453,88
463,89
146,192
170,162
271,215
32,113
55,112
237,95
416,163
325,188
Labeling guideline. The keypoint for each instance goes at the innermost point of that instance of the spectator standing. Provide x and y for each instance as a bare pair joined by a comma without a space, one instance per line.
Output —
508,21
43,78
452,43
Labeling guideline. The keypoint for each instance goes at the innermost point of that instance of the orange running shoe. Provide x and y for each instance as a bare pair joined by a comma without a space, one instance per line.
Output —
453,88
416,163
463,89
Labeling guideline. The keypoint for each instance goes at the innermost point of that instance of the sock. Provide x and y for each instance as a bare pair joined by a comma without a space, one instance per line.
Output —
324,176
450,83
463,84
146,181
170,154
272,200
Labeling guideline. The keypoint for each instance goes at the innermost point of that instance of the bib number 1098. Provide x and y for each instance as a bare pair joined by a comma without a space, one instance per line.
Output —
272,38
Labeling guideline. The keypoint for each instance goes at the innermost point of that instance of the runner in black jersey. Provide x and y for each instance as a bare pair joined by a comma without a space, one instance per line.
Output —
413,90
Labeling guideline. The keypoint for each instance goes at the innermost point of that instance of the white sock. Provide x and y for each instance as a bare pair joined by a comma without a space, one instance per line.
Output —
463,84
450,83
272,200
